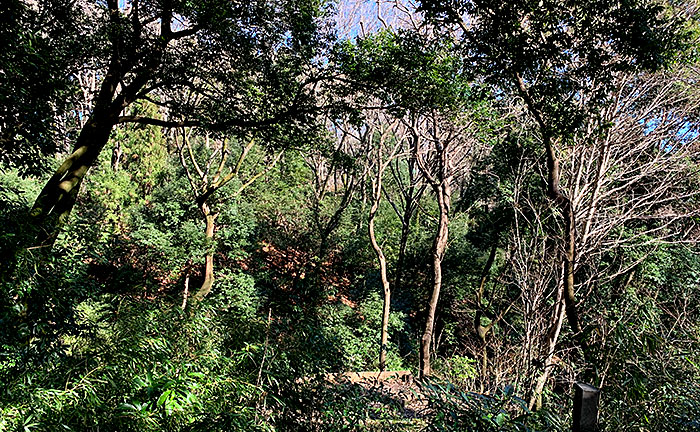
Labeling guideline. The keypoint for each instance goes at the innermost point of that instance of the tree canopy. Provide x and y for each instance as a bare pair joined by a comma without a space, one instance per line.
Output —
363,215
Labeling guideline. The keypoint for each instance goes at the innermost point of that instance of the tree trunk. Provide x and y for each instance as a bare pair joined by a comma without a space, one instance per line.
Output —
186,292
443,193
116,156
210,219
566,207
386,310
564,204
382,270
57,199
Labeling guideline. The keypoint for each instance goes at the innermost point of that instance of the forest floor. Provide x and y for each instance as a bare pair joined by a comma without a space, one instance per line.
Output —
395,388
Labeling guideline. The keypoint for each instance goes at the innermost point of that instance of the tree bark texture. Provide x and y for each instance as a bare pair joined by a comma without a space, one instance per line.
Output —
56,200
565,206
208,283
444,193
377,190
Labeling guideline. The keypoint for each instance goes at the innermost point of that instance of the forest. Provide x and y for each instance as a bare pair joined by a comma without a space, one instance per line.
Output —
351,215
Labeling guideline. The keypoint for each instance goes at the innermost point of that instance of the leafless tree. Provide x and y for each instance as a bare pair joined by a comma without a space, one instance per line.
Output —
404,195
386,145
630,180
640,171
444,150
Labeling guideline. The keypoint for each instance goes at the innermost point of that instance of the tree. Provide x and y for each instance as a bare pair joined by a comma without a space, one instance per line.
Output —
242,71
444,150
208,170
384,132
561,59
405,201
338,172
419,80
629,174
42,46
632,169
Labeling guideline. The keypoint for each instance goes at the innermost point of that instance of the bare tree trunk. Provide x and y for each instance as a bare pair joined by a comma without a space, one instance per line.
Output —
443,192
205,184
208,282
377,190
386,289
386,310
186,292
57,199
566,207
116,155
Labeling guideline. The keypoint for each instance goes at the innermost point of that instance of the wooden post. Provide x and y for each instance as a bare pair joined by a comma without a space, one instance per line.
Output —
585,408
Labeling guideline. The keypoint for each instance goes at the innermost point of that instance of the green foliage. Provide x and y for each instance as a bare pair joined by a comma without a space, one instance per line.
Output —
93,335
564,52
16,196
407,71
459,411
40,45
36,298
343,406
237,291
138,366
460,370
651,341
356,333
